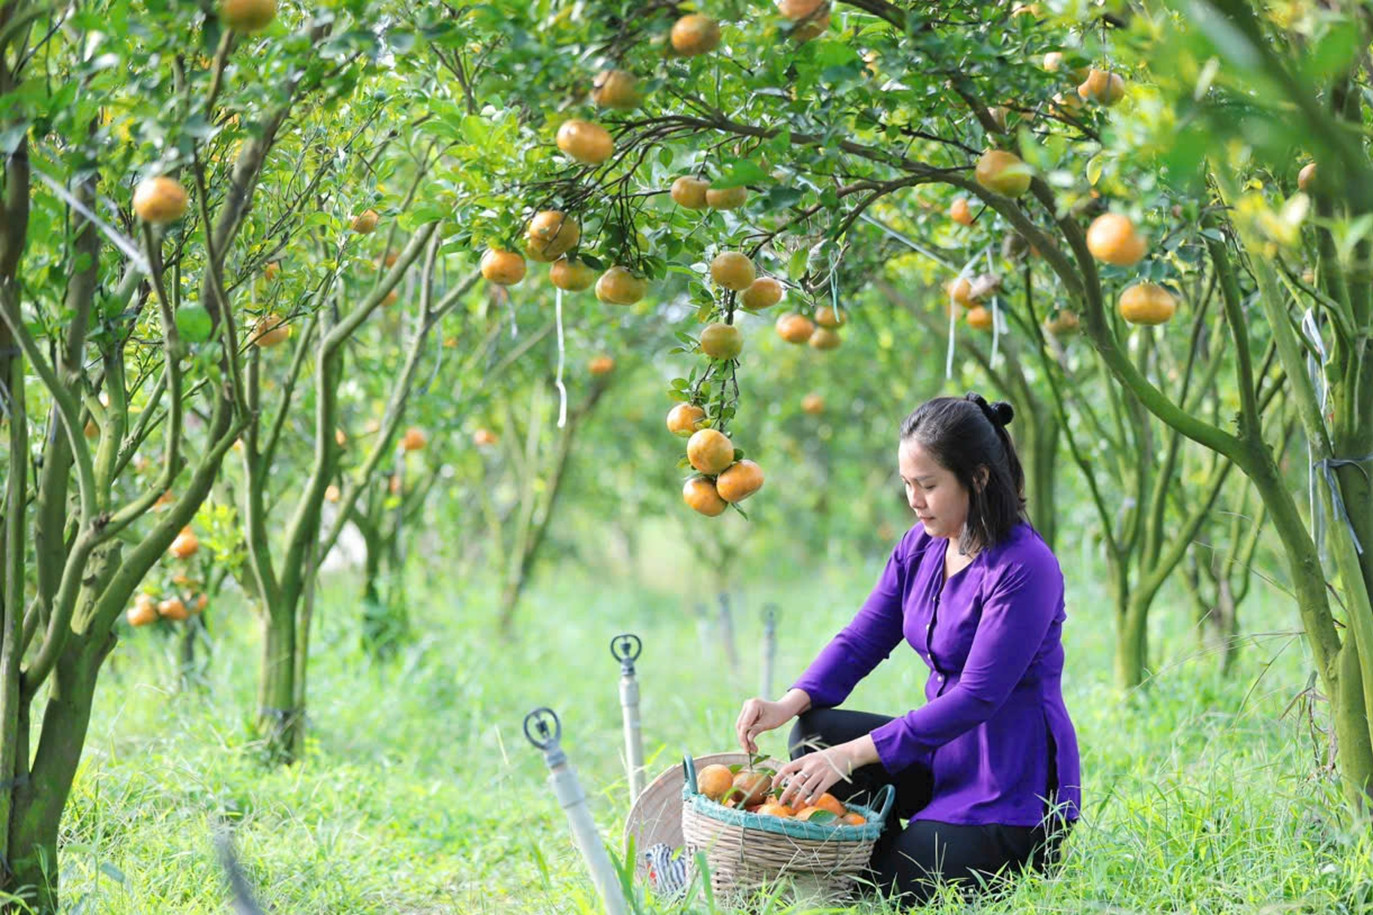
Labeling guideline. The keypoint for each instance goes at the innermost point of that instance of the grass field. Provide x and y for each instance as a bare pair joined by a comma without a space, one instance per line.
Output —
420,794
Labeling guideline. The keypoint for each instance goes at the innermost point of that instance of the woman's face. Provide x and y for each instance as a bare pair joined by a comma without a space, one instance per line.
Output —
934,493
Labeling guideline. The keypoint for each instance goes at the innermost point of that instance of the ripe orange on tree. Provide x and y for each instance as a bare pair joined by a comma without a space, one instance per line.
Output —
1102,87
619,286
684,419
172,609
1003,172
185,545
331,493
960,290
699,493
979,317
270,330
571,275
588,143
826,316
694,34
763,292
795,328
739,481
484,437
1112,239
722,341
710,451
615,89
505,268
365,222
813,404
960,212
1147,304
726,198
1063,322
601,365
414,439
732,270
550,235
822,338
143,611
159,200
1306,176
689,192
247,15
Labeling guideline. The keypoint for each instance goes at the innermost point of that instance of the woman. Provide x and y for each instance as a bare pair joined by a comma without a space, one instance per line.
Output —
987,769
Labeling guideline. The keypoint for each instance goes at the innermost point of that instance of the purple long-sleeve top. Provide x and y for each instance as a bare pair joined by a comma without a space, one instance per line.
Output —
993,718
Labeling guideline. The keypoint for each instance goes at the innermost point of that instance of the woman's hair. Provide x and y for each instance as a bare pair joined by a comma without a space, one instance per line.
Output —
964,434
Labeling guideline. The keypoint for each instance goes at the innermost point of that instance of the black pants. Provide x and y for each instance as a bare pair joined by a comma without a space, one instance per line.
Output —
909,860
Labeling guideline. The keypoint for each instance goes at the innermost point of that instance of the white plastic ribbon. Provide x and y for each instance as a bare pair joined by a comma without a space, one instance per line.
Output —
562,391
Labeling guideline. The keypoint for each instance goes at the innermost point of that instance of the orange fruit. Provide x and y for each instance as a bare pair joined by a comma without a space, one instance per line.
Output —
618,286
960,290
92,430
550,235
822,338
694,34
270,330
1003,172
414,439
144,611
722,341
796,10
852,819
831,803
571,275
763,292
805,813
172,609
200,603
1147,304
1065,105
341,438
726,198
739,481
732,270
601,365
773,809
1064,322
391,298
794,328
247,15
365,222
1306,176
684,419
504,268
1112,239
271,271
690,193
710,451
331,493
1102,87
753,786
159,200
588,143
484,437
960,212
980,317
185,545
699,493
826,316
615,89
813,404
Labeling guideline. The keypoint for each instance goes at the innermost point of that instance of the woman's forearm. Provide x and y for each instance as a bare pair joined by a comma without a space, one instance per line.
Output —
796,701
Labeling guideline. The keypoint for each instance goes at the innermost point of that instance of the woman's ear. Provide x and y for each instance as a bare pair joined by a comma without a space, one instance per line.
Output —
981,476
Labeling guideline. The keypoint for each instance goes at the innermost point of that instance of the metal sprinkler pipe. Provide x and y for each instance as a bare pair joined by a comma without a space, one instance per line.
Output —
626,648
545,731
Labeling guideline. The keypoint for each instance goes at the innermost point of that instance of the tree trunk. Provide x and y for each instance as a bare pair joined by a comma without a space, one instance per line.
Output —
280,721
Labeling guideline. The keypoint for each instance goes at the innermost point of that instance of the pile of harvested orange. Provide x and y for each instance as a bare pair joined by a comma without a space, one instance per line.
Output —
738,786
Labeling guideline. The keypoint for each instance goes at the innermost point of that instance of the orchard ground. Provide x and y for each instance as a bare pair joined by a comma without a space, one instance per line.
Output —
419,794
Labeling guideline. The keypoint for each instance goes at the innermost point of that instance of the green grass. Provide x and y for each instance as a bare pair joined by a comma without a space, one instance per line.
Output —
420,794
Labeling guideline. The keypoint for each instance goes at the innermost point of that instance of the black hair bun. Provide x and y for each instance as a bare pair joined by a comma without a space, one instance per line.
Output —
1003,412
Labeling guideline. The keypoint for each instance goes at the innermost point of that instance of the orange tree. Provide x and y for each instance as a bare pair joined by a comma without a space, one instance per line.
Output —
134,160
786,129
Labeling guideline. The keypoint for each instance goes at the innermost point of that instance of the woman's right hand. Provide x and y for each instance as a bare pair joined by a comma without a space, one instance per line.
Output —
758,716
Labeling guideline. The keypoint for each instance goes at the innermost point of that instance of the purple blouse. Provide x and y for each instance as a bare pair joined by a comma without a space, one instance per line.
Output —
993,716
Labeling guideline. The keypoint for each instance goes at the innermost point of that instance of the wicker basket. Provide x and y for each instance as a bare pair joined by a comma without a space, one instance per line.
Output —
747,851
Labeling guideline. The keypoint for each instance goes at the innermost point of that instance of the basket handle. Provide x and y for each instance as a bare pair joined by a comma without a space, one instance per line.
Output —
689,770
885,796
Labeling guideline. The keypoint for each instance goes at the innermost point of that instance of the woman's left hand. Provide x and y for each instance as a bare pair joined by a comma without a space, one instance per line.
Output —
807,778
